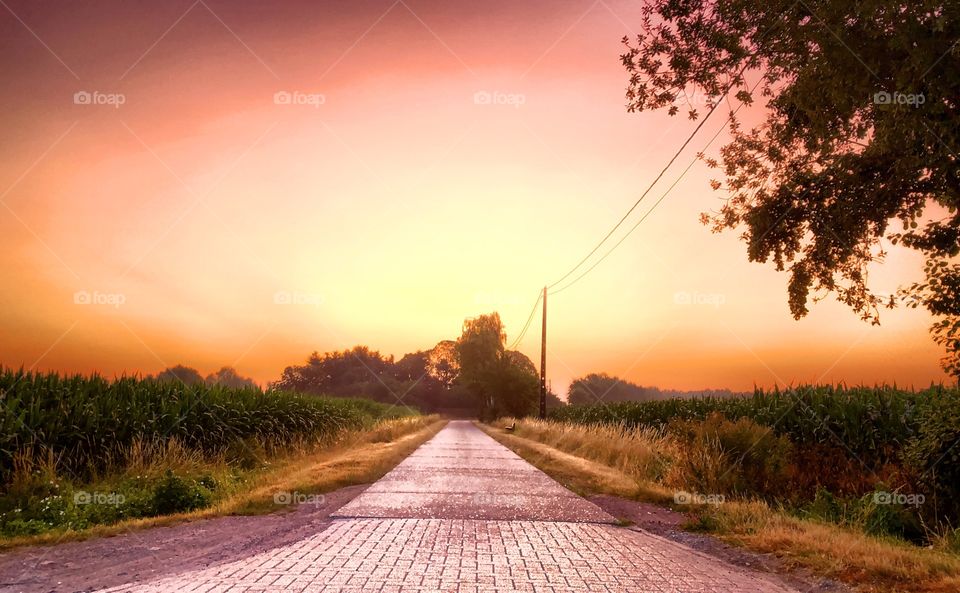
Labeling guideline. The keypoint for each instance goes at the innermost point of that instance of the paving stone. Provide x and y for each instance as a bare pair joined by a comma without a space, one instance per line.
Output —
441,546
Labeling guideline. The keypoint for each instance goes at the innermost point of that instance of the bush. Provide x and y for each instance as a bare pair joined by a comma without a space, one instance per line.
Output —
17,527
174,494
731,457
871,513
815,466
826,507
104,504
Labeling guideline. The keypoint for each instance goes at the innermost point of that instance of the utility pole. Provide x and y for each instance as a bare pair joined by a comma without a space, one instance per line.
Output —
543,360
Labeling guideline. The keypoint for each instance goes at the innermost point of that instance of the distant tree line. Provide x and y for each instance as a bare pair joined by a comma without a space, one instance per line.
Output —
475,374
601,387
226,376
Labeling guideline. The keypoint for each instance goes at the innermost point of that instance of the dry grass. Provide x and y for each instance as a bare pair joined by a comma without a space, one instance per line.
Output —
588,460
643,453
358,457
583,476
869,563
148,457
365,457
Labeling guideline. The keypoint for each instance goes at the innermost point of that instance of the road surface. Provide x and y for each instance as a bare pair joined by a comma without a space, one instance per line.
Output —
465,514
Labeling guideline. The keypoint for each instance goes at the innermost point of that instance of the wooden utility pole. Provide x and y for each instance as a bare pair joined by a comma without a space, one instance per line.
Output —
543,360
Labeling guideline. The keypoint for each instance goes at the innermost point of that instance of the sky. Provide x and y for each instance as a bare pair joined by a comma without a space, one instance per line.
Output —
217,183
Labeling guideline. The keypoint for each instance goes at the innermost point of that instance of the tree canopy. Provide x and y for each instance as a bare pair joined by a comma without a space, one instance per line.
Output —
503,382
229,377
474,372
226,376
180,373
858,149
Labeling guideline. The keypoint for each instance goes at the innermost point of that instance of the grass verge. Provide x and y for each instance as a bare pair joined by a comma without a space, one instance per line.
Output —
868,563
359,457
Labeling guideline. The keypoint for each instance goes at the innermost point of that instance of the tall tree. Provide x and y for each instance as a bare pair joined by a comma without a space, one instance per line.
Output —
417,379
600,388
861,135
182,374
500,381
229,377
442,362
339,373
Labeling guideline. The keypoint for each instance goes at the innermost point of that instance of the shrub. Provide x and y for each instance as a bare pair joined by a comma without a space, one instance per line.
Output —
826,507
889,519
174,494
731,457
818,466
16,527
870,513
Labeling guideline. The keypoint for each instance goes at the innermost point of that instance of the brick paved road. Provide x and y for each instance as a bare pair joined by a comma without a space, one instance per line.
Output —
464,514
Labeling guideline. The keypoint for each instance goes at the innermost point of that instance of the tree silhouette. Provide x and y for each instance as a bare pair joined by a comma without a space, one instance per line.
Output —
502,382
229,377
862,133
442,362
601,387
474,372
182,374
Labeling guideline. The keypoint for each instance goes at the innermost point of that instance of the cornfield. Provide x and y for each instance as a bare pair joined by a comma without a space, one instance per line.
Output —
86,421
872,423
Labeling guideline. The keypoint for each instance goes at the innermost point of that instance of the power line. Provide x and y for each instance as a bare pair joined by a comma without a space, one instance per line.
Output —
654,182
662,197
527,325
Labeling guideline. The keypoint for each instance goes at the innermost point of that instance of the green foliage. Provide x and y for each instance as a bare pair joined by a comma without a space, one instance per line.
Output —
805,439
473,375
951,541
732,457
174,494
873,423
868,513
826,507
68,507
860,133
88,427
85,423
424,380
503,383
515,391
935,450
939,293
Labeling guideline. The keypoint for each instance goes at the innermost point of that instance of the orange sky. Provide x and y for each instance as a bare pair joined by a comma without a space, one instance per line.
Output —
389,204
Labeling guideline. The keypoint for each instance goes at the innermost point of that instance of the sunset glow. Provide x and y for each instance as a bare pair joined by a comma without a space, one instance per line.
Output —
244,183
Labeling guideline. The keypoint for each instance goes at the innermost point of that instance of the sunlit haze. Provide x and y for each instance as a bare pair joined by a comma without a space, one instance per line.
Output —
242,183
